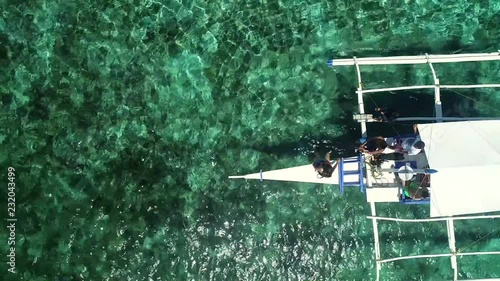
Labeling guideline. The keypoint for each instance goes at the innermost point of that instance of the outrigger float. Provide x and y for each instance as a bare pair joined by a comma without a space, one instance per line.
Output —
454,146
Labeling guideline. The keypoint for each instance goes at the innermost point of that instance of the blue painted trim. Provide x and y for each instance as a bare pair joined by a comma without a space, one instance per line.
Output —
360,170
408,201
261,179
401,163
341,175
351,183
329,63
426,201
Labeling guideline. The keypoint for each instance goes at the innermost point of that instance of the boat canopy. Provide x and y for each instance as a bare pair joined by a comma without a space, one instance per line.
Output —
467,157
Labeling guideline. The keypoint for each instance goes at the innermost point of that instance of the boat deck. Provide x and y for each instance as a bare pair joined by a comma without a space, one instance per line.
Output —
385,180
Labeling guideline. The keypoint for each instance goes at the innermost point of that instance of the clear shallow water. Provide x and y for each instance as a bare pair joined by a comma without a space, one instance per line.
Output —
124,119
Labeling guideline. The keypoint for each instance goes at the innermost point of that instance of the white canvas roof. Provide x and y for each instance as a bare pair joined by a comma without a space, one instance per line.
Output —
467,157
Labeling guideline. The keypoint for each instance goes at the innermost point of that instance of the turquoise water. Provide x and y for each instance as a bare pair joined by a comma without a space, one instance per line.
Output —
123,120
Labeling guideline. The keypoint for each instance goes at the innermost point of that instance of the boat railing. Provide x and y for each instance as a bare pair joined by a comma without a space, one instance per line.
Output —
422,59
394,89
451,242
353,169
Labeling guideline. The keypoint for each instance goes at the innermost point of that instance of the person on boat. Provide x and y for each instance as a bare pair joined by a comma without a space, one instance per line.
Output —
386,114
410,146
375,145
324,167
416,192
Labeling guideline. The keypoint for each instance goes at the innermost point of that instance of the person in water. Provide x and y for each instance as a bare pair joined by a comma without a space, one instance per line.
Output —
386,114
324,167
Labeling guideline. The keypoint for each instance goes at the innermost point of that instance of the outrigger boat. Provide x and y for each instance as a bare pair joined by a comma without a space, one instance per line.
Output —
454,146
